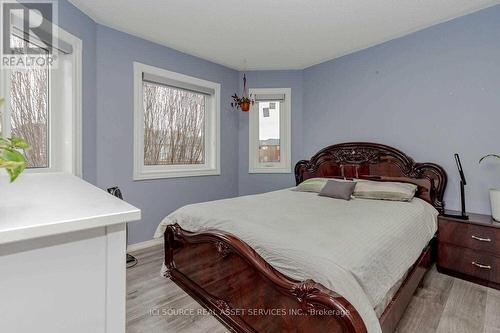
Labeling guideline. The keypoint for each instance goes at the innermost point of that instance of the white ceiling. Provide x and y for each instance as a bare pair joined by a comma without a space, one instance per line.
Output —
273,34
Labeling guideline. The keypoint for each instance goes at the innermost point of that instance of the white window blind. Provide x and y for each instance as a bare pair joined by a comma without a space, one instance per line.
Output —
269,97
178,84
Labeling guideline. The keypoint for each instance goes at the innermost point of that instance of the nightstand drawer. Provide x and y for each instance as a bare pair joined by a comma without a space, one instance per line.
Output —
471,236
473,263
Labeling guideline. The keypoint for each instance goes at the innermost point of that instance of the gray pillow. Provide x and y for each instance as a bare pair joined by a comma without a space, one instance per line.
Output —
338,190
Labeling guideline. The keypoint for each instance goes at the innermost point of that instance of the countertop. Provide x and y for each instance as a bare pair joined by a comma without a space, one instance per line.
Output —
44,204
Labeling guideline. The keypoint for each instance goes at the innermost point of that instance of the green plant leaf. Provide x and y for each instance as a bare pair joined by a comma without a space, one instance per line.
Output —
4,143
12,160
9,164
14,169
11,154
19,143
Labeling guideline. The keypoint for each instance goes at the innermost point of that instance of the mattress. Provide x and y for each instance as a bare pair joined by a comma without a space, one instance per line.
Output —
360,248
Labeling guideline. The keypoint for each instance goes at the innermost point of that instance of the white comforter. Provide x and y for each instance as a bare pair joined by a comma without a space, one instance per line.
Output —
358,248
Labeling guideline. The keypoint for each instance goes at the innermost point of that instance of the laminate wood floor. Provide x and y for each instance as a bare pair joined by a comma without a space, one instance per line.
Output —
443,305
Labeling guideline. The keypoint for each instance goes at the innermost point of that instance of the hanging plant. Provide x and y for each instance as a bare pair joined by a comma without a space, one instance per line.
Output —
243,102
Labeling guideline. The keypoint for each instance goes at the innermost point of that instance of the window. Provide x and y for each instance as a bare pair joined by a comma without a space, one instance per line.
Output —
176,124
43,106
173,125
29,110
269,131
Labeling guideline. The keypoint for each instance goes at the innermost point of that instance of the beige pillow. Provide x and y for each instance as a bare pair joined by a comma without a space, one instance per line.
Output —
393,191
315,184
311,185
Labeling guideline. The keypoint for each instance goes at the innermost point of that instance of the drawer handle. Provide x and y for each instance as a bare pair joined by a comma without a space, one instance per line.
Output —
481,239
481,266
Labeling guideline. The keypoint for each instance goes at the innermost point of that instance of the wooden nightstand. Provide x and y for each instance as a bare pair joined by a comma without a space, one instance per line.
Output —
470,249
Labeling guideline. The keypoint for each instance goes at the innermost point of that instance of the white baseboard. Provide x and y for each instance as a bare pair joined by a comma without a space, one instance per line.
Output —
144,245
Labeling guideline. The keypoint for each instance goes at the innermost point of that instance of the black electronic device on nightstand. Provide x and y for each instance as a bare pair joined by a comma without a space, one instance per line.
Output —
463,215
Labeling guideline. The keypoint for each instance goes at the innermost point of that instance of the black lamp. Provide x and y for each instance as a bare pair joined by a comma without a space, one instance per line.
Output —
463,182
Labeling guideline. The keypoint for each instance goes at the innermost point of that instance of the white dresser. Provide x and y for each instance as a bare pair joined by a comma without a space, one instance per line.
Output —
62,256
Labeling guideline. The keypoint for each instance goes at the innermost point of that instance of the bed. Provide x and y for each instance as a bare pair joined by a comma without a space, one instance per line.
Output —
288,261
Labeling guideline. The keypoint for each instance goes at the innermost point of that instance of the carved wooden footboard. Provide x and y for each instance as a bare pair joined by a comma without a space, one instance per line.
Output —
248,295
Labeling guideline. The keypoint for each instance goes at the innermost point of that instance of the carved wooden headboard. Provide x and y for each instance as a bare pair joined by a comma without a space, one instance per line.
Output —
366,160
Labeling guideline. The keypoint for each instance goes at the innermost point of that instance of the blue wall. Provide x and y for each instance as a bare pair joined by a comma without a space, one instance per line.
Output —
116,52
431,94
108,56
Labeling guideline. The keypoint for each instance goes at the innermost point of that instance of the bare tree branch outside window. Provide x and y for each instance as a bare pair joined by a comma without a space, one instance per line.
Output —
29,105
174,126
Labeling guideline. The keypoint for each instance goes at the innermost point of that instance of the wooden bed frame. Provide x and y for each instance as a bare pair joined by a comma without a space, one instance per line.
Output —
247,294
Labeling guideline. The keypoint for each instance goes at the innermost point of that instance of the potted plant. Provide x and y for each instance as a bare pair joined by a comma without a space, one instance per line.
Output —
494,193
242,103
11,159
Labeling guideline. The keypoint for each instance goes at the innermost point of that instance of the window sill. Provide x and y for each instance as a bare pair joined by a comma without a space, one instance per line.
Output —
269,170
145,175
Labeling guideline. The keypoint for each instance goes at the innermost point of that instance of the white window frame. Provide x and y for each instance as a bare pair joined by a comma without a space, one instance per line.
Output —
284,166
211,167
65,114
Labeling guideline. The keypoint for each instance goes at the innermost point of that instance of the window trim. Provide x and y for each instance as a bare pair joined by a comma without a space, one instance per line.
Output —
254,166
211,167
58,162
